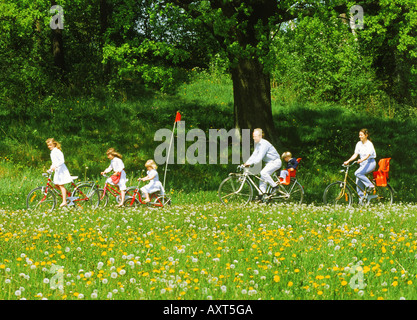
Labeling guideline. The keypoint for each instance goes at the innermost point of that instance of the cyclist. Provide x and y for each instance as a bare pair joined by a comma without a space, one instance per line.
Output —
61,175
367,154
117,165
152,175
264,151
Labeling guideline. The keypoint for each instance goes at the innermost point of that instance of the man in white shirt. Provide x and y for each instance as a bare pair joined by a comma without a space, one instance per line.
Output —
264,151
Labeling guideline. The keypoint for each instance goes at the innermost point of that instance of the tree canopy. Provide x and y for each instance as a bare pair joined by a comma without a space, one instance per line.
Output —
114,46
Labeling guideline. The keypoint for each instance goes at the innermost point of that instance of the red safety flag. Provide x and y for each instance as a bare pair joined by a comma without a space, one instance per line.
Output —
178,117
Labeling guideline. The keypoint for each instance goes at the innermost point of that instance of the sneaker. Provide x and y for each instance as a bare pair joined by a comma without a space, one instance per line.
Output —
370,190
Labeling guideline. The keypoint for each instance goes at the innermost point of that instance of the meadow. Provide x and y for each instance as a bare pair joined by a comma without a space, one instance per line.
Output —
196,248
199,251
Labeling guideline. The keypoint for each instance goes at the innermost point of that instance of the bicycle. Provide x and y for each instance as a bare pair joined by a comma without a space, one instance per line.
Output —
238,189
341,192
44,197
134,200
112,190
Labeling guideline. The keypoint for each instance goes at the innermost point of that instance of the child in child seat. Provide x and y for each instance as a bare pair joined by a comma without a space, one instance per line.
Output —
154,185
291,163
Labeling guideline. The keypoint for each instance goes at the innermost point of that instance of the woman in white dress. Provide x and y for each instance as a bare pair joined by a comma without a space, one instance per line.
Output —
118,167
62,175
367,154
154,185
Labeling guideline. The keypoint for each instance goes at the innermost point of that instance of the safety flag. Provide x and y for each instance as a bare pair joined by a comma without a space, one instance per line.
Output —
177,119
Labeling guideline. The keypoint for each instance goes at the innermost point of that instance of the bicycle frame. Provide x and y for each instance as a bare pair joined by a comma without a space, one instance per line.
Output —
348,181
281,192
138,196
112,189
57,190
240,186
247,176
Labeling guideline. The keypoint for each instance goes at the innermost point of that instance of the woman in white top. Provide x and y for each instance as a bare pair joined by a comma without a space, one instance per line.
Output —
62,175
118,167
154,185
366,152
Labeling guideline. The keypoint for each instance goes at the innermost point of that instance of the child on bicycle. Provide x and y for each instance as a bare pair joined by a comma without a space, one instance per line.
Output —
61,175
291,164
118,167
154,185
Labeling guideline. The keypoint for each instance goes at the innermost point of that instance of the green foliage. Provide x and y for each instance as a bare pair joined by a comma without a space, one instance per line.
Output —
322,135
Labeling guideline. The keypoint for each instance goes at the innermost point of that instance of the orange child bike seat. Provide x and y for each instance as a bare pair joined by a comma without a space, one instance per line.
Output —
382,175
291,174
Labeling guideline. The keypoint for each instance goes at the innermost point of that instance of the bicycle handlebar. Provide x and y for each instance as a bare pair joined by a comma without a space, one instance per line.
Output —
48,173
349,165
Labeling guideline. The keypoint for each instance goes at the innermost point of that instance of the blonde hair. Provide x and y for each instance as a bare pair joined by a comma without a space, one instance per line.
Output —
151,163
260,131
114,153
54,142
286,154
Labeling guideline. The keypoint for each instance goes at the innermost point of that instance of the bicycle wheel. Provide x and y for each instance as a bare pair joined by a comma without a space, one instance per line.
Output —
104,198
382,195
292,193
160,201
129,202
85,196
130,191
337,193
38,199
235,190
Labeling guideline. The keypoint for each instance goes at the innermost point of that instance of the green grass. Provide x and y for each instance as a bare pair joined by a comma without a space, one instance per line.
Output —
322,135
199,251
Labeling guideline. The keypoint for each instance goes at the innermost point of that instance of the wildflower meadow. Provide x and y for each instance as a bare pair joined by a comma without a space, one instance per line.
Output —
199,252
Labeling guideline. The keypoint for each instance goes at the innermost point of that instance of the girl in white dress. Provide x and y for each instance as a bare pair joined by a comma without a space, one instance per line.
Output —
154,185
62,175
118,167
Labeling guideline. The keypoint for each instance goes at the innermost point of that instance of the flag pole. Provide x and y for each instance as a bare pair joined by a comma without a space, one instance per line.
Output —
177,118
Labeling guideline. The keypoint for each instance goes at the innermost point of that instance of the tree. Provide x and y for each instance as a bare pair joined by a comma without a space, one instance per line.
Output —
244,30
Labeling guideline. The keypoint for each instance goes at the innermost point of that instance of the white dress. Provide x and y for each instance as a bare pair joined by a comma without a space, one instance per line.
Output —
62,175
117,165
154,185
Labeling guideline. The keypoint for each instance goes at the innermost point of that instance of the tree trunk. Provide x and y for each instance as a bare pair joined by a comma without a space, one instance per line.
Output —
58,49
252,98
104,24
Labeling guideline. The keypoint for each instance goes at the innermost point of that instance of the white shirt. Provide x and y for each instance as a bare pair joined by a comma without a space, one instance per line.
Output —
265,151
116,165
57,158
363,149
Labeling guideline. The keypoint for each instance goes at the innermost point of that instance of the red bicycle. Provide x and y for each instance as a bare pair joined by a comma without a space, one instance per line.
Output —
84,194
134,198
112,190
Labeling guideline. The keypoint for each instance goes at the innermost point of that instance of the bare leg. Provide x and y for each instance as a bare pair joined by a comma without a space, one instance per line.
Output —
64,195
122,198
